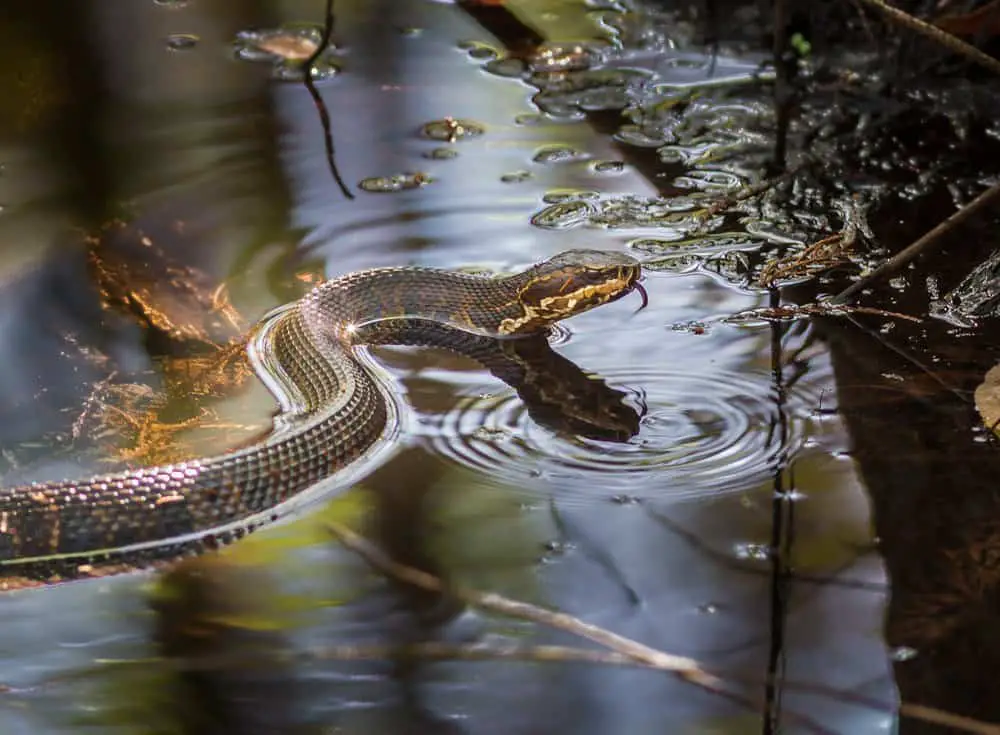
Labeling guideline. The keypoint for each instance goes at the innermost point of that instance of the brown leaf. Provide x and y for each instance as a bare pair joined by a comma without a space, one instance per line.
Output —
988,398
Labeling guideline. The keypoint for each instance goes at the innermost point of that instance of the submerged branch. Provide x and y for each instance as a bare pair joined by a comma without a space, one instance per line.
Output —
686,668
623,651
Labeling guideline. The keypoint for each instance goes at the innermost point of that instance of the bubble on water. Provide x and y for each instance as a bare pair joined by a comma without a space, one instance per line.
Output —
441,154
692,327
556,196
717,242
557,154
563,216
755,552
903,653
182,41
566,94
395,183
487,433
708,608
711,180
624,499
724,254
634,136
608,167
516,177
506,67
562,57
452,130
479,50
289,72
673,217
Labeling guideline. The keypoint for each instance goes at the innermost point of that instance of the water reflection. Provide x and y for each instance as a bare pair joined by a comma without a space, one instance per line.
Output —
188,206
929,470
700,435
226,666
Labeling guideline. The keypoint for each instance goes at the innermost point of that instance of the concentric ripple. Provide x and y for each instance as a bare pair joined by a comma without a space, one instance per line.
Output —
699,435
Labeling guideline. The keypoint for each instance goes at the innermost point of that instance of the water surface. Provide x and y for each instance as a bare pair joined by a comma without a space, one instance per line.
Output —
667,536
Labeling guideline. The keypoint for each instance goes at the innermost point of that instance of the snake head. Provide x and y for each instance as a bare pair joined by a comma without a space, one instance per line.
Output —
571,283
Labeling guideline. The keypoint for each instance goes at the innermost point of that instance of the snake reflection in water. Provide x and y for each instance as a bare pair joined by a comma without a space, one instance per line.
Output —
332,410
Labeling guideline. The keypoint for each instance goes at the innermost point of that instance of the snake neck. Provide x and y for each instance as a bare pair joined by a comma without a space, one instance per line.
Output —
350,306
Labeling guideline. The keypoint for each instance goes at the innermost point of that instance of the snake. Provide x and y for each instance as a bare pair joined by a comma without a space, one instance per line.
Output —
333,409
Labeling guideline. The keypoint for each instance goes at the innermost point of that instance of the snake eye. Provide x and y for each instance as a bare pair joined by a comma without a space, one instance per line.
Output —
591,276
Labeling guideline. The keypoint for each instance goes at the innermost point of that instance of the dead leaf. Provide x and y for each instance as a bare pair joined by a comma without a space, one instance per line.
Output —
988,398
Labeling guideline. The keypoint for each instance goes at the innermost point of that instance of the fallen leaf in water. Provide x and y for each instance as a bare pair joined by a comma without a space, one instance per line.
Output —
289,46
988,398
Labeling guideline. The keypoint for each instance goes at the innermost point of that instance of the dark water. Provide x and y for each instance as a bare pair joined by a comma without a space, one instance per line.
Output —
669,537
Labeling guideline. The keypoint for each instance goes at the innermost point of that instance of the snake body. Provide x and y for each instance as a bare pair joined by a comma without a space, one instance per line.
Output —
332,410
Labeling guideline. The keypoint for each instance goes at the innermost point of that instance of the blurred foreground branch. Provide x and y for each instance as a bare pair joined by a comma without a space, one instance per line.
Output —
623,651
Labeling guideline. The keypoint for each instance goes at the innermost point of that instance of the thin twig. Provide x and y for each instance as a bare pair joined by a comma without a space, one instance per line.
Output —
684,667
940,717
962,395
324,115
728,562
936,34
494,651
624,651
928,240
905,709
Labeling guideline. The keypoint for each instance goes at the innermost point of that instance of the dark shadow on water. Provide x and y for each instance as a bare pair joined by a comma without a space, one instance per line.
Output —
228,673
931,472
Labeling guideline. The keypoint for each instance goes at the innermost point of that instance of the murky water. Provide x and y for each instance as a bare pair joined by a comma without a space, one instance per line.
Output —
459,155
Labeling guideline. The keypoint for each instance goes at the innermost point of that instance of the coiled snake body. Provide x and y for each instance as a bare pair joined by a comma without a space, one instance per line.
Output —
332,411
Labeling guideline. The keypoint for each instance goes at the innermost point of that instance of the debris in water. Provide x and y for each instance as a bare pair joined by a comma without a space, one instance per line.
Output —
557,154
182,41
287,48
397,182
452,130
